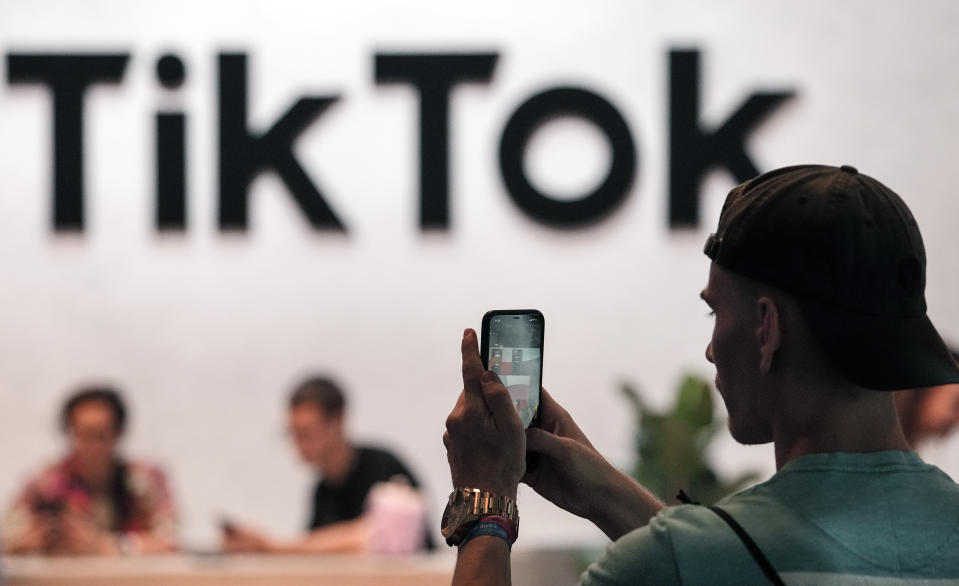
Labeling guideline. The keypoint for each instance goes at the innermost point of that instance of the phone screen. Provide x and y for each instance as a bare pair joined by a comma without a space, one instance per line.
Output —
512,347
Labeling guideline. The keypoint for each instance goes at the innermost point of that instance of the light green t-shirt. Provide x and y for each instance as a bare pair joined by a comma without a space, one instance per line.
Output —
881,518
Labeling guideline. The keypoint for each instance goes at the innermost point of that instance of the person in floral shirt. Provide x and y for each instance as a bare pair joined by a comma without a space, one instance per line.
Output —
93,501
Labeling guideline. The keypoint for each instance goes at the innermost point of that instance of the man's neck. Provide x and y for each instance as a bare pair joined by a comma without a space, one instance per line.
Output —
868,423
337,464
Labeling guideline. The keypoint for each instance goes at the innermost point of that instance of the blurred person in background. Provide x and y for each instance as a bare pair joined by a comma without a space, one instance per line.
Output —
366,499
93,501
928,413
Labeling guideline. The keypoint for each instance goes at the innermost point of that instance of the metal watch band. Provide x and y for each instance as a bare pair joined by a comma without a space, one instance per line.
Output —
483,502
468,505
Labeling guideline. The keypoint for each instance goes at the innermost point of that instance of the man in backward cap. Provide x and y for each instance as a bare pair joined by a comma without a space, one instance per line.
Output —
817,290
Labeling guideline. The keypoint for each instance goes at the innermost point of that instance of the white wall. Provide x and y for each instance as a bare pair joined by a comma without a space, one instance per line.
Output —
207,332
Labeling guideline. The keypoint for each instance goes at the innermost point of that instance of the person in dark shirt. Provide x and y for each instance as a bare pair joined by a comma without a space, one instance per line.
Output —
343,501
366,500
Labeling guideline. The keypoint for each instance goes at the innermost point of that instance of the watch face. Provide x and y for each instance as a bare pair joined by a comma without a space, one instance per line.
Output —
456,519
445,522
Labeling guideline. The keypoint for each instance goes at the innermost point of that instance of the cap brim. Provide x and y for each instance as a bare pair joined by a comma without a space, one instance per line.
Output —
882,353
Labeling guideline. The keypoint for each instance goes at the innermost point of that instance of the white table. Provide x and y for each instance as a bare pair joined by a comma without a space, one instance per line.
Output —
232,570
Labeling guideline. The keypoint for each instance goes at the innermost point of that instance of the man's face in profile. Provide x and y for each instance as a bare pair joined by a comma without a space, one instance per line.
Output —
734,351
314,431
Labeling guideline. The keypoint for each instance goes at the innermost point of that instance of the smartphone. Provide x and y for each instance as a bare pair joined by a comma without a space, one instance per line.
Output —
511,345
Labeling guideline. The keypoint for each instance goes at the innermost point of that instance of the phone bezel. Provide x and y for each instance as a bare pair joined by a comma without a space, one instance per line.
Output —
484,346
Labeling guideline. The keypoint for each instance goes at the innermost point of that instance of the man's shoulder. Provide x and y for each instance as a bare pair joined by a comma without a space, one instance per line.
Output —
380,463
683,544
651,552
879,514
846,515
695,529
376,455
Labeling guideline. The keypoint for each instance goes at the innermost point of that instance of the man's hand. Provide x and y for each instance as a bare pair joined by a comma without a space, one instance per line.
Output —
80,536
568,462
484,438
245,540
574,476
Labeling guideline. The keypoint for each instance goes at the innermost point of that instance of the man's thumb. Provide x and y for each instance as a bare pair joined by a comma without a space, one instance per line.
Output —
541,441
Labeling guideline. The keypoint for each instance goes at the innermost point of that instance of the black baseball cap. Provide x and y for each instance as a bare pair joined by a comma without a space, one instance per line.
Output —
848,249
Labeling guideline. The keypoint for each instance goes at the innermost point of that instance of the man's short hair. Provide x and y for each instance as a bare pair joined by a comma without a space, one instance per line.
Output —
320,391
95,394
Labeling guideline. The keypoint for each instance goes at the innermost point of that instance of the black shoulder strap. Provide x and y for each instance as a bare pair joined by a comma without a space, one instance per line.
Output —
754,550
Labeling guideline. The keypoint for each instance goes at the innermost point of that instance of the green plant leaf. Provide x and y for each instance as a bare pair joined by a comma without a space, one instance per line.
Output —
671,447
694,403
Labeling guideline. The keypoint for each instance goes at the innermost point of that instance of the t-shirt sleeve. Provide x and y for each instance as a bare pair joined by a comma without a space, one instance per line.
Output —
643,556
385,466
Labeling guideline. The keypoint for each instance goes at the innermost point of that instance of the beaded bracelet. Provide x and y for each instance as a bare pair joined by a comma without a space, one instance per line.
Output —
484,527
511,526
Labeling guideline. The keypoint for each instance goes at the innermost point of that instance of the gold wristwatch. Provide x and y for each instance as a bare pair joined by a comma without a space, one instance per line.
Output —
467,505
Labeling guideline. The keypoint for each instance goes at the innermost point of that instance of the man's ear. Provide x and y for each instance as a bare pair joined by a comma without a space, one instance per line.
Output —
769,332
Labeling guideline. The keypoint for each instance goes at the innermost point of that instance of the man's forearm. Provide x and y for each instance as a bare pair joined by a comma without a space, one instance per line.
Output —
623,505
484,560
154,542
342,537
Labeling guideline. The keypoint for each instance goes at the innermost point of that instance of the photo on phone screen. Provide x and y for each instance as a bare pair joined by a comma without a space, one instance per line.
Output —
512,347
